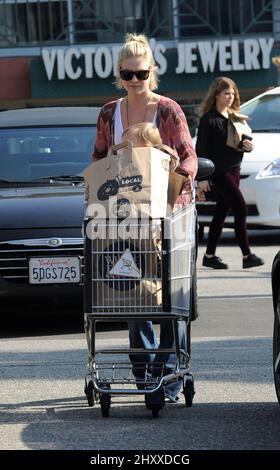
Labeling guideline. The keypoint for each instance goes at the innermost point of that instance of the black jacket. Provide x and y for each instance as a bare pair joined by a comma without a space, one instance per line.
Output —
211,142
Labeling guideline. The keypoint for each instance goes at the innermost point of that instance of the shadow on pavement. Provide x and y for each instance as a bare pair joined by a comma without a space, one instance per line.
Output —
69,424
35,318
234,407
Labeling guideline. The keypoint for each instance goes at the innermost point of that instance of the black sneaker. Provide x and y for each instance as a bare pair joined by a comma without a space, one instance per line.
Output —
251,261
213,262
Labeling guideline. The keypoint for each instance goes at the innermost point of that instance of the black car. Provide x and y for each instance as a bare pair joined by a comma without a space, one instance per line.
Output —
43,152
275,275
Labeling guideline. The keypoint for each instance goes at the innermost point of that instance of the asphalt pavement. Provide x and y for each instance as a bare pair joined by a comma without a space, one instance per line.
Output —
42,404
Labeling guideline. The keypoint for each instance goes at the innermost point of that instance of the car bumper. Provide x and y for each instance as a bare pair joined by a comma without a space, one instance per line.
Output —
50,291
15,256
262,196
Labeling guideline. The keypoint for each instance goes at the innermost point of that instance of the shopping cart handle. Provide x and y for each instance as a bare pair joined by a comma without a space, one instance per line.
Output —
205,168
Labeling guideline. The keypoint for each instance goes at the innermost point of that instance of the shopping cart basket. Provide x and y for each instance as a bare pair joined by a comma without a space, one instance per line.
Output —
139,269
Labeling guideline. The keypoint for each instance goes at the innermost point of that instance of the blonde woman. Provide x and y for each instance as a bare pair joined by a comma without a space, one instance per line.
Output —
137,75
221,99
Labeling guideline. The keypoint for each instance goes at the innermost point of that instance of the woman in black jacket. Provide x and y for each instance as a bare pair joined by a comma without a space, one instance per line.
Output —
221,99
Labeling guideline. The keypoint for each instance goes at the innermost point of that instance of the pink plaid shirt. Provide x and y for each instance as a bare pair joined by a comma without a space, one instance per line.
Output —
173,129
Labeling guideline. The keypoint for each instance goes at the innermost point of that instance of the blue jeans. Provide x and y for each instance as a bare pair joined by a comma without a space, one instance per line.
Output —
142,335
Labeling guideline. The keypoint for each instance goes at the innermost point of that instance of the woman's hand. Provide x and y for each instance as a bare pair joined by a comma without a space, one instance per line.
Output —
203,187
187,186
247,145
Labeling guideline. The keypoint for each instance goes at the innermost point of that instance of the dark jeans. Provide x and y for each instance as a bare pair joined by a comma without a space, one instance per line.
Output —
142,335
229,197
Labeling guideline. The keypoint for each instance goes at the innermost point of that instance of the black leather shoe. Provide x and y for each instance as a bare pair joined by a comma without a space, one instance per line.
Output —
251,261
213,262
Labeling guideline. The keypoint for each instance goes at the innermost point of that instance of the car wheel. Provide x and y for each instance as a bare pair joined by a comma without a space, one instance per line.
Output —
276,347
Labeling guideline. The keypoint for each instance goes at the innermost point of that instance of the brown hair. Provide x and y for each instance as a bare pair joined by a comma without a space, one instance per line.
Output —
217,86
136,45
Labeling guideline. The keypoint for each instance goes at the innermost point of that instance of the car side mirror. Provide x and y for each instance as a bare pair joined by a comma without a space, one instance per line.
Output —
205,168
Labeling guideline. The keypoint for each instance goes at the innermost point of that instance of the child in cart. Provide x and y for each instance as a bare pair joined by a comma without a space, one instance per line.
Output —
143,134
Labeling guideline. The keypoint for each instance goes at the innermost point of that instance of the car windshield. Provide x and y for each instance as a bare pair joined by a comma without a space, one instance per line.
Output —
264,113
28,154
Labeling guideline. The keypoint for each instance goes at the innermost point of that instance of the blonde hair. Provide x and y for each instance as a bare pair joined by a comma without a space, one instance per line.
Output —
217,86
137,45
142,133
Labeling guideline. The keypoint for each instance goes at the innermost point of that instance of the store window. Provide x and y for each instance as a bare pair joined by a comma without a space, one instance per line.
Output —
109,20
33,22
220,17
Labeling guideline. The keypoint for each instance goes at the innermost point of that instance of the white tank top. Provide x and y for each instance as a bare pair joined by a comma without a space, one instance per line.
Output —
118,125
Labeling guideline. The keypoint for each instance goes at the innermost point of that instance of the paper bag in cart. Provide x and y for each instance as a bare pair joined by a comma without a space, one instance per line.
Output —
136,179
126,275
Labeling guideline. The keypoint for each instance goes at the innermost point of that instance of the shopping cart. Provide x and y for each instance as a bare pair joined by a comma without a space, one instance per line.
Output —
139,269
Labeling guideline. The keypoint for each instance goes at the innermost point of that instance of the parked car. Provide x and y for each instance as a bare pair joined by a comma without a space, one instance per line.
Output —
260,169
43,152
275,276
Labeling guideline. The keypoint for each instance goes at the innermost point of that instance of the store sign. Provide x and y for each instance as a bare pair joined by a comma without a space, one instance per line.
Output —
192,57
225,54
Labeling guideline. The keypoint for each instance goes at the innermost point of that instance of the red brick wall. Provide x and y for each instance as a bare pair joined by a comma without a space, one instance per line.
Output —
15,79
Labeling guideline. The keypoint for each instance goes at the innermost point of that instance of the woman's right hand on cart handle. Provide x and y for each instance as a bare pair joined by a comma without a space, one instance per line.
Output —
203,187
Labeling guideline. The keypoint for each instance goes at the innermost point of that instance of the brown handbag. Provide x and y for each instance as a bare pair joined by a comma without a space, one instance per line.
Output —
175,185
177,176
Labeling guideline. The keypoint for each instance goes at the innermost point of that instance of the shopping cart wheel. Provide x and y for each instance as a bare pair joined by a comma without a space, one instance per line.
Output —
188,389
155,401
89,391
155,411
105,402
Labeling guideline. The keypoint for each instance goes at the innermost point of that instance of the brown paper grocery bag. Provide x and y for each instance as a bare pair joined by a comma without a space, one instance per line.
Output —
236,129
136,178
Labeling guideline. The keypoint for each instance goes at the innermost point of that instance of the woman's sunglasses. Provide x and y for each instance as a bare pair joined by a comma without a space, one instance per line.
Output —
127,75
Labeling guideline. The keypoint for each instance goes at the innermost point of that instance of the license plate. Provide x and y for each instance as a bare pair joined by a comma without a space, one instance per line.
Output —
54,270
